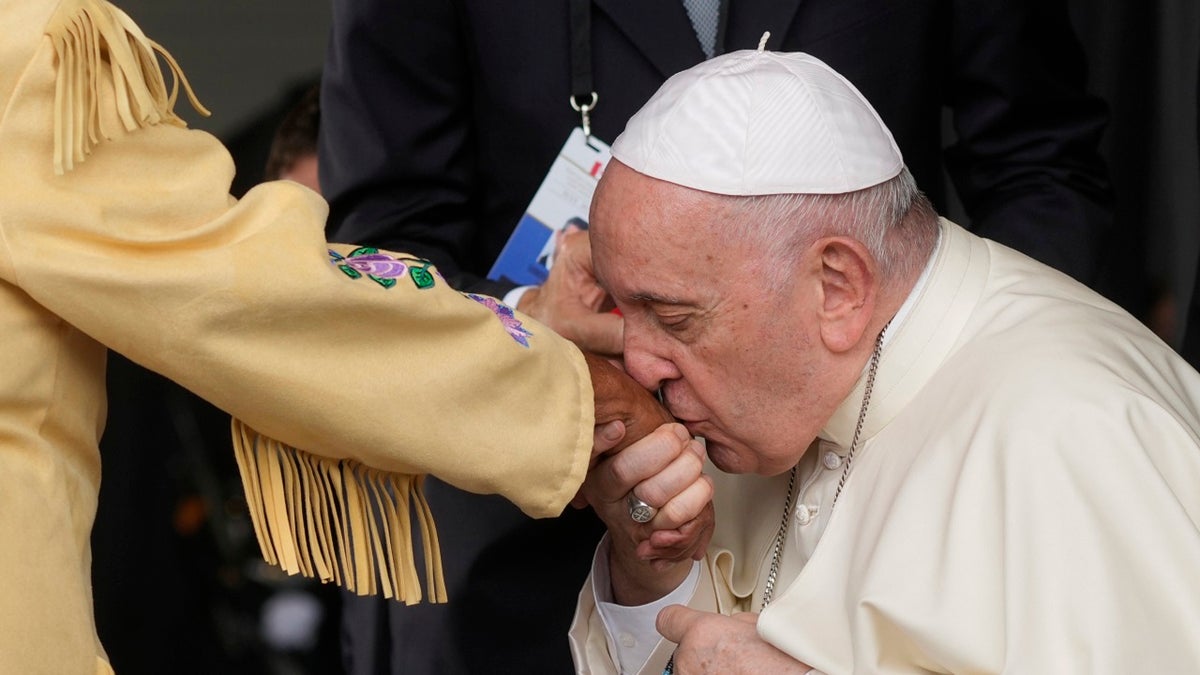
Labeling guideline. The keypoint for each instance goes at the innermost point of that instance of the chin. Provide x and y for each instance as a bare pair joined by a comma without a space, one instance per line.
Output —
725,458
744,460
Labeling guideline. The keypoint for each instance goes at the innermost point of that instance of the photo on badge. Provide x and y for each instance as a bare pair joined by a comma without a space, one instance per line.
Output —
559,206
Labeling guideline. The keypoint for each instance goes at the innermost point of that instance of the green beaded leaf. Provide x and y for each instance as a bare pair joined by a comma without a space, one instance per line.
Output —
421,277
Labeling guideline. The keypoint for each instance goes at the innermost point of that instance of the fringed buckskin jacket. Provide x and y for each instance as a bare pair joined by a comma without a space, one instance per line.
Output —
351,371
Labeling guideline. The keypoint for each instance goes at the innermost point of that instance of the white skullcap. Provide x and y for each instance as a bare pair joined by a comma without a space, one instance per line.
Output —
756,123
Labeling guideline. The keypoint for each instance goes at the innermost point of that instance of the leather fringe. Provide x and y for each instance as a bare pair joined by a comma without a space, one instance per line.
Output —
96,43
338,520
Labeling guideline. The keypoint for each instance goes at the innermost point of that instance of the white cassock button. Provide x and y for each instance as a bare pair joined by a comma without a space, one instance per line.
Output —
805,514
831,460
628,641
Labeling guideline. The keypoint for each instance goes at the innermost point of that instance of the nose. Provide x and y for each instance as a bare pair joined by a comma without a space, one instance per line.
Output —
650,366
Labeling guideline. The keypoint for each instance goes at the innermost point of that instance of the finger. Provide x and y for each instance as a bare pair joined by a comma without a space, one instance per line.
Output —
574,252
581,295
675,621
577,242
614,478
692,534
677,476
606,436
679,540
685,506
672,546
602,333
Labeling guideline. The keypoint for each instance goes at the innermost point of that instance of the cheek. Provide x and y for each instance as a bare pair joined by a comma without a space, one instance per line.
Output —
769,400
732,390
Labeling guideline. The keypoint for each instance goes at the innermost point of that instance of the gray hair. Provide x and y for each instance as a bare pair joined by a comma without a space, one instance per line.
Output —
894,220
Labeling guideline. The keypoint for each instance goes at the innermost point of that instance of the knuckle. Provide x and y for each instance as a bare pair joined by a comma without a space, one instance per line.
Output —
653,494
624,470
674,514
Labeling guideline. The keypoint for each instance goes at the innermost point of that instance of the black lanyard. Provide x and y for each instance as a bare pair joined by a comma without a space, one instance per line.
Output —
583,95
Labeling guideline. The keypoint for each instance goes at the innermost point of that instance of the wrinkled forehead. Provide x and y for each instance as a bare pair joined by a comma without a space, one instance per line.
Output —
628,201
646,232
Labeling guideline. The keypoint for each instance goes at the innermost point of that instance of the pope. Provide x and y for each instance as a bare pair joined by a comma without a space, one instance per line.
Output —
929,452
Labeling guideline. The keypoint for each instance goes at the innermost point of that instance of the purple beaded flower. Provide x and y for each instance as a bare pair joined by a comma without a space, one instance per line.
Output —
382,268
505,313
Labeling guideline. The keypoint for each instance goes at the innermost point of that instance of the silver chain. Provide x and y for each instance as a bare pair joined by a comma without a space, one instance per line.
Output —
781,535
862,413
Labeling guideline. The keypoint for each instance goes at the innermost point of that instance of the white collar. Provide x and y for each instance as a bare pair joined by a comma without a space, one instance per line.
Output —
911,300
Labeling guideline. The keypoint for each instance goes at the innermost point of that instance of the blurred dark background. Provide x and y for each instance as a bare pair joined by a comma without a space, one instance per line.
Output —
179,586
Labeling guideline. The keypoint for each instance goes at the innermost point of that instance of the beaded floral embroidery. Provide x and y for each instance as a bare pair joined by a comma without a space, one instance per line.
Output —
505,313
381,268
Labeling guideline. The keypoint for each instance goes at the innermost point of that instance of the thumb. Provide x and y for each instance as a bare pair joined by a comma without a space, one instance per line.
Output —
606,436
675,621
602,333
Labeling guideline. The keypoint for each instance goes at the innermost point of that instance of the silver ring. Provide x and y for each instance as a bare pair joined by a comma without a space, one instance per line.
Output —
640,511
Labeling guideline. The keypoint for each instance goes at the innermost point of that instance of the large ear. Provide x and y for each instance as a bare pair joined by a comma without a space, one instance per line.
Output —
849,291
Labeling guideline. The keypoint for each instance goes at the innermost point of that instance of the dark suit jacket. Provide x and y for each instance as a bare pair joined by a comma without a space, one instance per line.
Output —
441,117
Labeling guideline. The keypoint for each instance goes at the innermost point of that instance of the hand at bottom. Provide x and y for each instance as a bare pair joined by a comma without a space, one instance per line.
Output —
721,645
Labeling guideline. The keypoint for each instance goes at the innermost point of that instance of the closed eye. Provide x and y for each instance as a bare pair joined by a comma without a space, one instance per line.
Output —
674,322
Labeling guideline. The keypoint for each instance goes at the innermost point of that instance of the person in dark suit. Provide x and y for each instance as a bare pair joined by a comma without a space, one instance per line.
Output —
442,118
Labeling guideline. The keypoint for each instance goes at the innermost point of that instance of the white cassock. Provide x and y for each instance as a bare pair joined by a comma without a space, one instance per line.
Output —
1025,497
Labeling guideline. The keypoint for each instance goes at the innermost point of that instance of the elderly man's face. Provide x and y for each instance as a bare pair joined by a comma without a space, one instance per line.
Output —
739,362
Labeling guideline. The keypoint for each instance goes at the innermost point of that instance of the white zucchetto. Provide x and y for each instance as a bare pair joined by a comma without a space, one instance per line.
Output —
755,122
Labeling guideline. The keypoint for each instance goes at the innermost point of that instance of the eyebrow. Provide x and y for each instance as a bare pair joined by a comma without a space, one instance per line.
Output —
661,300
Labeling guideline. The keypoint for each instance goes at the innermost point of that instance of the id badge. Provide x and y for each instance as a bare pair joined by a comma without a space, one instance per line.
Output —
560,204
